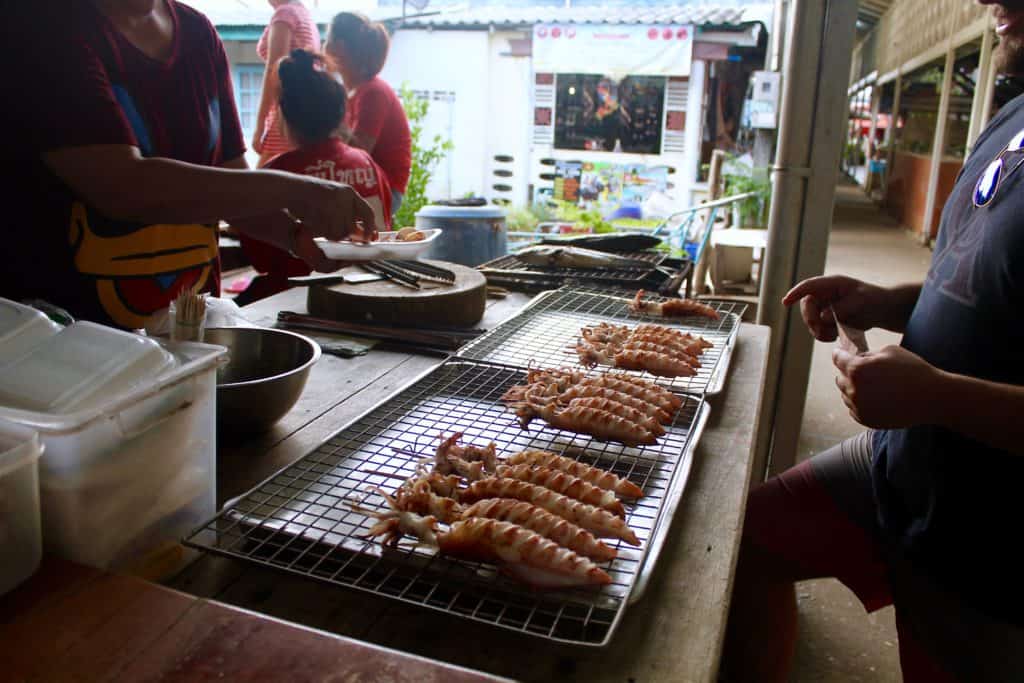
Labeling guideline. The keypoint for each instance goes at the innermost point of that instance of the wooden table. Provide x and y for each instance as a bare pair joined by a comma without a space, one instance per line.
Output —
674,633
73,623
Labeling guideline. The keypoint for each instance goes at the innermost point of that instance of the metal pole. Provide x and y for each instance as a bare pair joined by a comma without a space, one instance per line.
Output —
814,111
980,88
938,148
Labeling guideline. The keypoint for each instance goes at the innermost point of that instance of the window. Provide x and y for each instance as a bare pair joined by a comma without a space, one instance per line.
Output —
248,83
599,113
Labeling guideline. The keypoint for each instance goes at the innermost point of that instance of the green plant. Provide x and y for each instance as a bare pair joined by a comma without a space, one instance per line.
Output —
591,218
425,157
742,178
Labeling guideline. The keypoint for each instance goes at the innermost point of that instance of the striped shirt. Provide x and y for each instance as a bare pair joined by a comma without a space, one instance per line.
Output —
305,36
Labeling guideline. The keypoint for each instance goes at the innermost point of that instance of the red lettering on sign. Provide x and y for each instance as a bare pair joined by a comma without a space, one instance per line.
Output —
556,32
652,33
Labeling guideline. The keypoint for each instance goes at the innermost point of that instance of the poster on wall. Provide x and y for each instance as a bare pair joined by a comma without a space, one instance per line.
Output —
640,182
614,50
567,181
601,183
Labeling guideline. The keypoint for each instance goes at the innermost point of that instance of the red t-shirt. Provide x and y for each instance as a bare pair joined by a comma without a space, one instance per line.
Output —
330,159
374,110
86,84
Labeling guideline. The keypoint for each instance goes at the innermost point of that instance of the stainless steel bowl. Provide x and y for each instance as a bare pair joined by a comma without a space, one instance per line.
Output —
263,378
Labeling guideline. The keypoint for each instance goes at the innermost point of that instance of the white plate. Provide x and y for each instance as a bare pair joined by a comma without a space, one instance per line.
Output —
386,247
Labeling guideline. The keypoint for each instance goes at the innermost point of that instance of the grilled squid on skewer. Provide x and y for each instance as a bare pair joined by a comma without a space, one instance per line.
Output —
525,554
395,522
595,475
673,308
654,362
622,410
588,391
598,423
548,525
566,484
599,522
522,553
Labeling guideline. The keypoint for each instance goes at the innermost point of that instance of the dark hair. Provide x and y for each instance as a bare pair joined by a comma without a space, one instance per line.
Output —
365,42
312,100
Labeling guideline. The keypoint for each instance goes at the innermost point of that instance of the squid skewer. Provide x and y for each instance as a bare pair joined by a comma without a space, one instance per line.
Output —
566,484
601,523
522,553
673,308
595,475
548,525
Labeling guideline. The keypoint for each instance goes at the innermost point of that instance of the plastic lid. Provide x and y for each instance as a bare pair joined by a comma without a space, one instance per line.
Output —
81,365
438,211
18,444
21,328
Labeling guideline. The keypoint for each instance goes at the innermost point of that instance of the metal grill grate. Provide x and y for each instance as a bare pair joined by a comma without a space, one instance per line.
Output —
512,265
544,335
301,521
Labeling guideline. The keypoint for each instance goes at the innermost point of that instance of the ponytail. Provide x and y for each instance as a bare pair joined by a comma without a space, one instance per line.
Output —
312,100
365,43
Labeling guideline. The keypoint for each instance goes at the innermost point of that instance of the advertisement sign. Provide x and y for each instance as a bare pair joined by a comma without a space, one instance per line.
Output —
613,49
567,181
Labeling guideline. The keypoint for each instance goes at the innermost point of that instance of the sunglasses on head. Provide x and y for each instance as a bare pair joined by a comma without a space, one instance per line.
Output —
988,184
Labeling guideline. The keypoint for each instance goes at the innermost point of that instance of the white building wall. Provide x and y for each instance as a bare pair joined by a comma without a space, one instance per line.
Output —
509,120
452,68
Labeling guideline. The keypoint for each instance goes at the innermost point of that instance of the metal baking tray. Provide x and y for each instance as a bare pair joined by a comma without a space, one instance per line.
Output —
301,521
544,333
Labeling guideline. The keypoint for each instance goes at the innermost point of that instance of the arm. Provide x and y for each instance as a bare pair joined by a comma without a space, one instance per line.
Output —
159,190
367,120
894,388
857,303
279,38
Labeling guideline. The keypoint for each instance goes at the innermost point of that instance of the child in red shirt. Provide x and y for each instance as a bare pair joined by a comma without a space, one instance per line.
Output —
312,108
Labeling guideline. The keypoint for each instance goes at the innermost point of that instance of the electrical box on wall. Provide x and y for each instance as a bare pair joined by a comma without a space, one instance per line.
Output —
764,99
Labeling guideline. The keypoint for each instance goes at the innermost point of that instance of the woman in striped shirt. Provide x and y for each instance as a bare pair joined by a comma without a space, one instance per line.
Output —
291,28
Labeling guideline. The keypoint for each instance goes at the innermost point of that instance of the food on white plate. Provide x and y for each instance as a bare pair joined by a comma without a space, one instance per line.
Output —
574,257
671,308
409,235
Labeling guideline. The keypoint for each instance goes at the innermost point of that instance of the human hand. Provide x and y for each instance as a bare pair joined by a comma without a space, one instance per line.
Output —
257,140
335,211
890,388
305,247
856,303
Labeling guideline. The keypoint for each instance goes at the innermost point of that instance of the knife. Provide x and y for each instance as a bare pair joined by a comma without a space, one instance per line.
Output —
851,339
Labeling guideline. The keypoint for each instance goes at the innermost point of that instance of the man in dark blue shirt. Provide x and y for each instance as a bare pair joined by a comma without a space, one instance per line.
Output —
921,512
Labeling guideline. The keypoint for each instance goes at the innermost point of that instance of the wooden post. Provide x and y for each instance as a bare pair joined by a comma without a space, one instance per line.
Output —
981,89
814,111
938,146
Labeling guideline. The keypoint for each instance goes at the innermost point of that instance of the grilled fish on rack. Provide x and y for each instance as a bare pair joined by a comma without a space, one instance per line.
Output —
574,257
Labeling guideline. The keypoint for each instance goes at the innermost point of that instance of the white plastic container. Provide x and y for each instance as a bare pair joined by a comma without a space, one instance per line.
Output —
81,366
135,472
21,543
21,328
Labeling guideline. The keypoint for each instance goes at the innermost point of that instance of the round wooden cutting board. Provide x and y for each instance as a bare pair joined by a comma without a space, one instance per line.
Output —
385,302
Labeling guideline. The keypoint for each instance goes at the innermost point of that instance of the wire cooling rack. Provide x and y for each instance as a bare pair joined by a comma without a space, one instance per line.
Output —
512,265
544,334
301,520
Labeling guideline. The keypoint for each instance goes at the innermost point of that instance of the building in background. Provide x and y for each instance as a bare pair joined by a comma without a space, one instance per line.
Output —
607,102
922,88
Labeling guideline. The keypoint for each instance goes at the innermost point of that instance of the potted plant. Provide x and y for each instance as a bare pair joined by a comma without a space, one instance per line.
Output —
742,178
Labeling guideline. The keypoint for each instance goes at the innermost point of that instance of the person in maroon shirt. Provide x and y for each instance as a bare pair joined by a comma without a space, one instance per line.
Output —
312,104
125,150
375,117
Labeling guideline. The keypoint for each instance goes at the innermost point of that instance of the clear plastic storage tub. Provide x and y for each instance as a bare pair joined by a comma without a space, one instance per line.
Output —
21,328
21,545
134,472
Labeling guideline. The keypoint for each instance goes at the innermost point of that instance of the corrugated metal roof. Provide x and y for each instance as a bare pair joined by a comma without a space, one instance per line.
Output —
524,16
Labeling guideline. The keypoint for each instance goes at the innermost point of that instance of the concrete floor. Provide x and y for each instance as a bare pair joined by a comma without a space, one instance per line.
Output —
838,640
